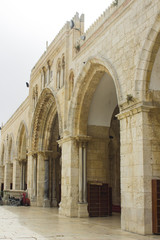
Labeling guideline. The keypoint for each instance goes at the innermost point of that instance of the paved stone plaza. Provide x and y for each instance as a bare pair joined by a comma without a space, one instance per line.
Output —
19,223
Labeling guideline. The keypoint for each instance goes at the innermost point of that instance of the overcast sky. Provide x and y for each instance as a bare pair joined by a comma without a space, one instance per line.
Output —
25,26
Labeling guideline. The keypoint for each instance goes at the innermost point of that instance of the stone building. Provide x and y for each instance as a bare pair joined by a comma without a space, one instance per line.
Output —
92,115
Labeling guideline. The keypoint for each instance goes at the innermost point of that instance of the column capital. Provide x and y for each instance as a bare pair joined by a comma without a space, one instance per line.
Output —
77,138
44,153
32,153
65,139
83,138
135,109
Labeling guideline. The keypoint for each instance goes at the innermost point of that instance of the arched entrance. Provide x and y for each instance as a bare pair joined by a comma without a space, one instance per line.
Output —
10,161
46,155
103,150
21,163
93,122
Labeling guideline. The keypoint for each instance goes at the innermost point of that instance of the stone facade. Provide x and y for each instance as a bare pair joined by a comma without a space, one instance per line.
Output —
92,115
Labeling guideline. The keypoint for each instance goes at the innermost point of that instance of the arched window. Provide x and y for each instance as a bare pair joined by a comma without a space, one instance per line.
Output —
10,151
58,74
2,156
44,76
71,85
49,72
63,72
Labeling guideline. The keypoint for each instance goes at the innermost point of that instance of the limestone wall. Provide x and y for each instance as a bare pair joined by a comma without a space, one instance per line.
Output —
97,155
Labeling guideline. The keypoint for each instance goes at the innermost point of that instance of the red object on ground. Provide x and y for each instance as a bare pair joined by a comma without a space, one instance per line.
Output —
25,200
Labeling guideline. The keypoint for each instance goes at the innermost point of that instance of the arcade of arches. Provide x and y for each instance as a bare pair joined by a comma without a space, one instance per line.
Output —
87,137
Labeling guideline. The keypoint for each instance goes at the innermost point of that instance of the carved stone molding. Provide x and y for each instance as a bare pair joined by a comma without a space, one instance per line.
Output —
135,109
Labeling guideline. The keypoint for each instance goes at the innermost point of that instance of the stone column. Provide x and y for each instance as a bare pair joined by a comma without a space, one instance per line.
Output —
32,177
16,174
70,181
46,179
54,199
23,163
7,176
80,173
136,170
84,173
1,176
35,176
82,205
46,184
40,179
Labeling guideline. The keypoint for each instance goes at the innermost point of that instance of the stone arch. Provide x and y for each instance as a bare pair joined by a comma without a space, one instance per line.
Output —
45,111
4,150
147,59
11,148
63,71
46,127
70,83
58,73
84,89
2,154
21,163
22,132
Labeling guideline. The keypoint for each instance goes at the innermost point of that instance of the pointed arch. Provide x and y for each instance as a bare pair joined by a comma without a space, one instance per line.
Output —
45,112
22,140
2,154
146,61
58,75
70,84
63,71
88,79
11,149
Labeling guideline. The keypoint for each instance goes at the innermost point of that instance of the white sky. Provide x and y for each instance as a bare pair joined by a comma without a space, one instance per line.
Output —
25,26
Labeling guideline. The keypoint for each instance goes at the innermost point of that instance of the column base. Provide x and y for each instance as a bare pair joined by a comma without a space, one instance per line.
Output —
46,203
68,209
83,210
136,220
33,201
54,202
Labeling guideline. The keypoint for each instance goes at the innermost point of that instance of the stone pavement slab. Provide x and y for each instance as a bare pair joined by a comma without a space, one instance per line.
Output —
34,223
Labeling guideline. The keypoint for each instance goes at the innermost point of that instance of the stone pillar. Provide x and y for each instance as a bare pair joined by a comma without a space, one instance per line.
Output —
1,176
7,175
16,174
31,169
46,179
82,205
35,176
54,199
84,173
80,173
23,165
46,184
70,181
42,174
136,171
